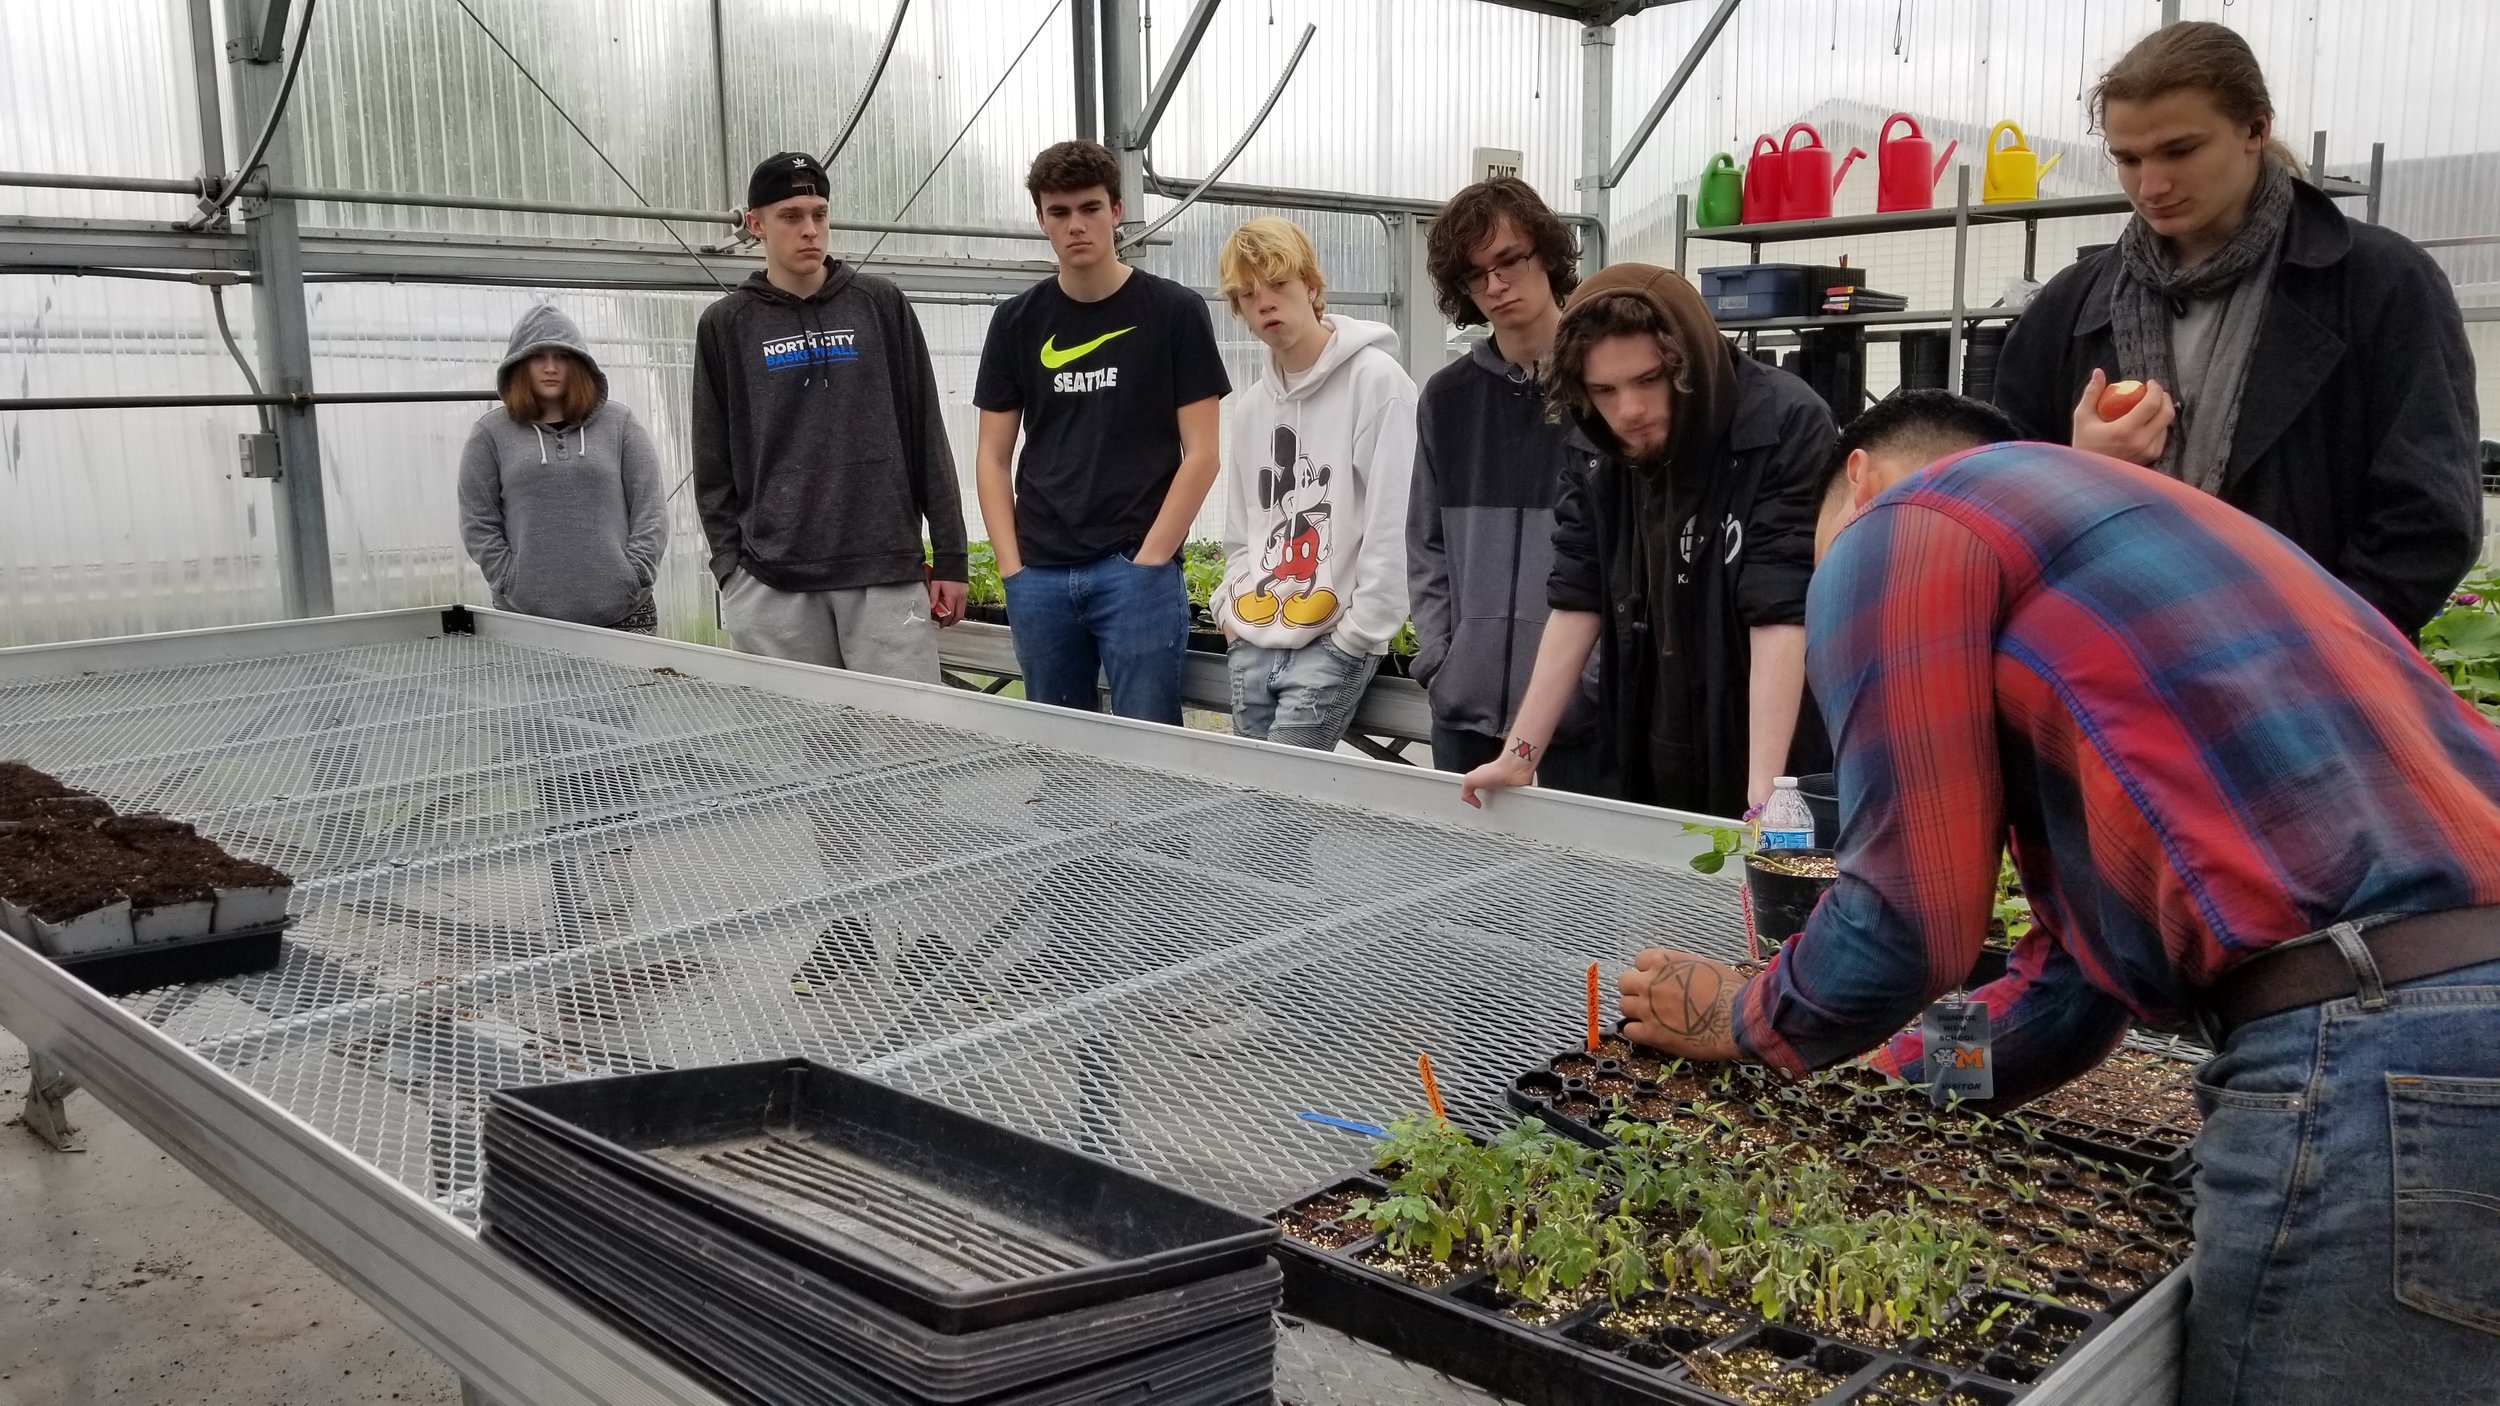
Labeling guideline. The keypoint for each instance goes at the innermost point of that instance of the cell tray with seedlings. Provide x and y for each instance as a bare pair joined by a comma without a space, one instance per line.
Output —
2136,1109
1758,1250
128,902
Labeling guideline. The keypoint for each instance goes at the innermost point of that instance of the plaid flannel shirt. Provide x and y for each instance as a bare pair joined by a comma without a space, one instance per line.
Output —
2199,743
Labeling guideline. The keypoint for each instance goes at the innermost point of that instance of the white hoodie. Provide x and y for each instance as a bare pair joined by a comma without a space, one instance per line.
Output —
1315,505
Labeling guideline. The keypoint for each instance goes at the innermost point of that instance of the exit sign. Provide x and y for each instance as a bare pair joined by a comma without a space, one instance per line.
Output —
1495,163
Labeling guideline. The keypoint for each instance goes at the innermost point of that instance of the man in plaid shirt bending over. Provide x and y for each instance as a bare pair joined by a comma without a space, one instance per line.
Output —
2240,801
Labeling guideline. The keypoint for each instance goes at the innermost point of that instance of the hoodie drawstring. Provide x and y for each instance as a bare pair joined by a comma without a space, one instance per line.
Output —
542,442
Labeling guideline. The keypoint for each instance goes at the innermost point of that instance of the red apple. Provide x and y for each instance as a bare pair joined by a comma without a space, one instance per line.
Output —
2120,397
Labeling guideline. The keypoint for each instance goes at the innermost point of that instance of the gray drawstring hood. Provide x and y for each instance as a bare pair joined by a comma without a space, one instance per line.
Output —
573,531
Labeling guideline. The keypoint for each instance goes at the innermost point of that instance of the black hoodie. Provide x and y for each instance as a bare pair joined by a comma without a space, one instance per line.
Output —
818,446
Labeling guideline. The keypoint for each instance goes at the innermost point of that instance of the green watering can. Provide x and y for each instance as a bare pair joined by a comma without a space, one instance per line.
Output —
1722,199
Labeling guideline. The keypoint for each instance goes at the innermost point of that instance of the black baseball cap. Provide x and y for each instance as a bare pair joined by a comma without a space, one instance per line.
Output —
783,175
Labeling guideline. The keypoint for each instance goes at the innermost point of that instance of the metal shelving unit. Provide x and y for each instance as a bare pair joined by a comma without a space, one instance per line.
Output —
1960,217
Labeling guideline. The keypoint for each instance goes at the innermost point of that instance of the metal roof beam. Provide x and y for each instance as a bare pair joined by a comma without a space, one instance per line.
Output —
1193,29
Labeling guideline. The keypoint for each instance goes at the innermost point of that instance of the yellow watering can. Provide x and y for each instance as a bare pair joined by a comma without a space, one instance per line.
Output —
2014,172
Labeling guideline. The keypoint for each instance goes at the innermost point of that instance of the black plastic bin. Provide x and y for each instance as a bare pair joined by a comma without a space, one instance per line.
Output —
946,1219
1822,795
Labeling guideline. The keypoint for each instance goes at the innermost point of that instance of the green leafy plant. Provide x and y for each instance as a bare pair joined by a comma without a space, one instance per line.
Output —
1202,568
982,585
2011,908
1723,842
2463,641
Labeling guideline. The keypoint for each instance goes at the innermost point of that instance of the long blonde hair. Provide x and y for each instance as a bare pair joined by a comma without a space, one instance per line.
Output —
2199,56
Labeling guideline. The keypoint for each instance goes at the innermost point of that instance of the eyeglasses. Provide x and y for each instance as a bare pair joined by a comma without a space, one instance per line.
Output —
1507,268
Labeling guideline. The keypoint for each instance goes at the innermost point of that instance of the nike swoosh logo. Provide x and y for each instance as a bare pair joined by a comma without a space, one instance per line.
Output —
1053,358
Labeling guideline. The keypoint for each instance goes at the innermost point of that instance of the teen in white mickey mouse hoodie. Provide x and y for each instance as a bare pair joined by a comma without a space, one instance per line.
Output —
1315,504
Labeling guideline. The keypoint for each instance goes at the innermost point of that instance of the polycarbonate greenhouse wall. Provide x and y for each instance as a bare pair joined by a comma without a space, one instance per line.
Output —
125,521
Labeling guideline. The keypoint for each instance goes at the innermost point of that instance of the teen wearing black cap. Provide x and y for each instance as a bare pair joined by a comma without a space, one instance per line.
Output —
819,451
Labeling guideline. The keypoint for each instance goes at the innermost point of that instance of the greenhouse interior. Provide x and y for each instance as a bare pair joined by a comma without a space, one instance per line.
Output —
1329,702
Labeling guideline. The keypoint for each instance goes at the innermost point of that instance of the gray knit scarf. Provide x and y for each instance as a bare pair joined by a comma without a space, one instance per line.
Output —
2151,284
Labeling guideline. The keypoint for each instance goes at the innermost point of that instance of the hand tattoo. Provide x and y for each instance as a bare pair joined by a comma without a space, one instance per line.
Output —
1691,999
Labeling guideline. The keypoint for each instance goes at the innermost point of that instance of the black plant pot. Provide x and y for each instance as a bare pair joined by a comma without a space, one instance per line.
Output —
1781,902
986,614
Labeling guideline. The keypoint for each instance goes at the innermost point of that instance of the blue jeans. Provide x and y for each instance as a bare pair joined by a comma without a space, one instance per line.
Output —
1075,624
1300,697
2348,1206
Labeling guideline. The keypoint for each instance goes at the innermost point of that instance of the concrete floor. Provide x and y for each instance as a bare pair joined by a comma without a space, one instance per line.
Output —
126,1279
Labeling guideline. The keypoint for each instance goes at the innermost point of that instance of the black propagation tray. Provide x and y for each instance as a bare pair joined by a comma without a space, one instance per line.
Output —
1577,1103
1230,1368
948,1220
619,1239
126,971
1460,1328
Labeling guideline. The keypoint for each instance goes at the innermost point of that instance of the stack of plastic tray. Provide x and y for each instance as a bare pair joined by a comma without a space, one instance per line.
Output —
793,1234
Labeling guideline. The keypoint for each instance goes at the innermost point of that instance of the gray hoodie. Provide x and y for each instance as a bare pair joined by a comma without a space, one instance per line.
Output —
566,521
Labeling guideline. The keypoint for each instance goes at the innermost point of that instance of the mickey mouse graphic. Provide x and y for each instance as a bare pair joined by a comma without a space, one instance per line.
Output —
1296,493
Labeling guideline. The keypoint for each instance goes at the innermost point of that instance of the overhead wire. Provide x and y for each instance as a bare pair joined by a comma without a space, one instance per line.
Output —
595,149
966,129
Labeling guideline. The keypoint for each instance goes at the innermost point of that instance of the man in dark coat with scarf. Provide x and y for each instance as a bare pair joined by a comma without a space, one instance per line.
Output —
1683,540
2305,368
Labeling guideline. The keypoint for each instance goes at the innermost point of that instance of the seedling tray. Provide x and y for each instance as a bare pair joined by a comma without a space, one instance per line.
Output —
125,971
602,1227
1592,1357
757,1365
950,1221
1577,1102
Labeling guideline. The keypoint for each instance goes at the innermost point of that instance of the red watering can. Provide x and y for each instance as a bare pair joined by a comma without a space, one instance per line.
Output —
1903,178
1762,181
1807,180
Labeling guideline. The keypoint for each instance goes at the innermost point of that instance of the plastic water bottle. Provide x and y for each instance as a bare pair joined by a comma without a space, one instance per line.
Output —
1787,822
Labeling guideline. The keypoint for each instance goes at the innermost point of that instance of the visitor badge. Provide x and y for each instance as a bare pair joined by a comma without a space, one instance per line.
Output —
1955,1034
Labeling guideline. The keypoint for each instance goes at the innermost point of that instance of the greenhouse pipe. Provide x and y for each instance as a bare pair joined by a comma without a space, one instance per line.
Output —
324,195
876,72
201,402
1193,30
1257,121
213,210
1341,202
1675,87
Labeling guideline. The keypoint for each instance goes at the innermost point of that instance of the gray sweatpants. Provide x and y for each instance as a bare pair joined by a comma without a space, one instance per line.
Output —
872,629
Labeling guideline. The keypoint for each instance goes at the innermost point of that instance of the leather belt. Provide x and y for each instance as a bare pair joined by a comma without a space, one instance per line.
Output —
2314,971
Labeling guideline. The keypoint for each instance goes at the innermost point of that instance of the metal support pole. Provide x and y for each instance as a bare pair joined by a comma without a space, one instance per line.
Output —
204,68
1961,271
1597,126
285,346
1683,229
1422,336
2317,158
1123,93
1087,43
48,1089
730,190
2378,178
2169,11
1675,87
1193,29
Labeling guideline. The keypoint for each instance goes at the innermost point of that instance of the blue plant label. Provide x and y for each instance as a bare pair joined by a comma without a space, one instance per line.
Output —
1955,1034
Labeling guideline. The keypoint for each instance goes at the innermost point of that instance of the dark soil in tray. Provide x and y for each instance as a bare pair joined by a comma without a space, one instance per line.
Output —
21,786
59,868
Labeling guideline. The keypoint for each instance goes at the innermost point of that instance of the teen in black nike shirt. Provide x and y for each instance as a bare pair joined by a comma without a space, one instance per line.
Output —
1112,375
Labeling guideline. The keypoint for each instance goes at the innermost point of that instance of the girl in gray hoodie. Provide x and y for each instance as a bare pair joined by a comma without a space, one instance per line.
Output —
560,498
